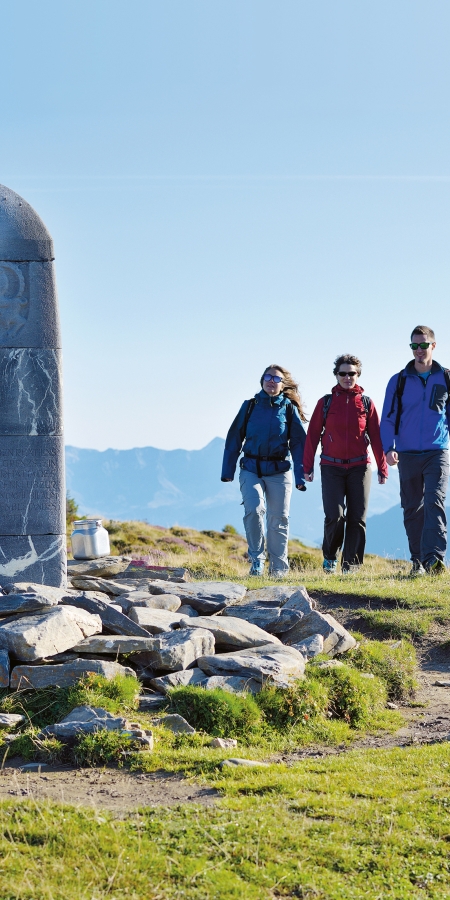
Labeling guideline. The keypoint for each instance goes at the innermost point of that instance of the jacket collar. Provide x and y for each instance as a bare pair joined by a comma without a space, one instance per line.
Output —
262,397
354,390
410,370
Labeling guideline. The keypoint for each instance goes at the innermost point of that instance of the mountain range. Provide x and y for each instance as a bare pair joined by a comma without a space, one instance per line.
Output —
168,487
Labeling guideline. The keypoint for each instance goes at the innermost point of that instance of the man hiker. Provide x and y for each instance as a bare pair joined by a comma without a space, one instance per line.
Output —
415,436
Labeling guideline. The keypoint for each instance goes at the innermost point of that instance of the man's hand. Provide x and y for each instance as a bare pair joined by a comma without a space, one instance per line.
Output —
309,477
382,479
300,487
392,458
227,479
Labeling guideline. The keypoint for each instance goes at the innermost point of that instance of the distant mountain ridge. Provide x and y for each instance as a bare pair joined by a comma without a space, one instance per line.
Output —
167,487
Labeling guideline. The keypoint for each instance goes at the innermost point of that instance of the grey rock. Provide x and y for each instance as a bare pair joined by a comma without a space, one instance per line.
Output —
177,650
84,720
37,636
104,567
330,664
248,763
34,767
223,743
272,619
269,662
231,633
277,595
175,723
89,583
31,483
14,604
39,557
153,601
4,669
193,677
54,594
204,596
336,638
10,720
310,647
188,611
30,391
110,645
233,683
301,601
151,702
441,683
155,621
112,621
66,674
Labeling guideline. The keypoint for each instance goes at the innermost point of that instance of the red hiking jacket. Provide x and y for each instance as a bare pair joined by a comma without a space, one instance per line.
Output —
344,437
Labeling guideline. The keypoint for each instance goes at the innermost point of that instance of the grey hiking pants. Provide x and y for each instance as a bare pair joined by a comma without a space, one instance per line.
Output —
271,493
345,495
423,486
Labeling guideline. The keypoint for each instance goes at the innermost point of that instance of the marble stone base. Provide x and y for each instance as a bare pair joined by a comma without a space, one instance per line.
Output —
30,391
38,558
32,491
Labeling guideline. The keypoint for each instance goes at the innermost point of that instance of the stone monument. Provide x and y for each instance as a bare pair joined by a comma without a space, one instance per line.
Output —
32,489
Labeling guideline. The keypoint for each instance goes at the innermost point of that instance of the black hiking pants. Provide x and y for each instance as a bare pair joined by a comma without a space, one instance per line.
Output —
345,494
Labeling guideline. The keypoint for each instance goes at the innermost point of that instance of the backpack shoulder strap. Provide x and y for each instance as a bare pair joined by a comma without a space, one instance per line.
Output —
397,395
250,407
447,381
366,403
326,408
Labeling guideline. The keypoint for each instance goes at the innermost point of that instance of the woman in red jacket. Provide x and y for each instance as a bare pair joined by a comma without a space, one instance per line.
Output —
345,422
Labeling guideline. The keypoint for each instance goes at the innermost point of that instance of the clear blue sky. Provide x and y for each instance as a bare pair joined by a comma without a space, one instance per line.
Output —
229,184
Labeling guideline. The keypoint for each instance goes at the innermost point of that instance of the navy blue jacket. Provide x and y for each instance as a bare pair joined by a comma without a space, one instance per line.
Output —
268,434
424,422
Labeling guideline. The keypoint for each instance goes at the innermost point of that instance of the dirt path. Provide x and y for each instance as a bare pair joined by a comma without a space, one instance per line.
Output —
121,791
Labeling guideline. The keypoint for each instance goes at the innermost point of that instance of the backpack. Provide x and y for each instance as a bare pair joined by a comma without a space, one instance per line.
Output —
400,387
327,403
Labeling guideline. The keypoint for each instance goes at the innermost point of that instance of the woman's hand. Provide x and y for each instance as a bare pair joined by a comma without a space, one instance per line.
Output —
309,477
382,479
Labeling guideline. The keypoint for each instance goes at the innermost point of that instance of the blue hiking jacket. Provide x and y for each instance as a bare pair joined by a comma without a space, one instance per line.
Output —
268,434
424,422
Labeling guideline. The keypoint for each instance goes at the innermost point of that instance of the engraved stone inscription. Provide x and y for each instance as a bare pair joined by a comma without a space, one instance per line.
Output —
14,300
31,481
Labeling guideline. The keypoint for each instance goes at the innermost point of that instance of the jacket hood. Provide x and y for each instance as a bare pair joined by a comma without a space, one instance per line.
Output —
410,368
354,390
277,401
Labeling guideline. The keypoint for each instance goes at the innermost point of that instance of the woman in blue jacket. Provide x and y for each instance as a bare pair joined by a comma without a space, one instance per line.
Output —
269,429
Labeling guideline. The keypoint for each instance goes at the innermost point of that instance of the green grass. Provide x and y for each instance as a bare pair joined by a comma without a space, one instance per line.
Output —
370,825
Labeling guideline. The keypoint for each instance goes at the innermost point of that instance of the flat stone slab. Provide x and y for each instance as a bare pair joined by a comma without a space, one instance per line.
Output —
37,636
261,663
204,596
336,638
10,720
104,567
177,650
231,633
233,683
310,647
151,702
223,743
112,620
13,604
175,723
109,645
88,583
54,594
193,677
277,595
168,602
155,621
64,675
272,619
37,557
189,611
84,720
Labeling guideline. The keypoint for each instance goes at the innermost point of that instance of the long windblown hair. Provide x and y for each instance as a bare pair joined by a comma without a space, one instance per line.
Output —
290,389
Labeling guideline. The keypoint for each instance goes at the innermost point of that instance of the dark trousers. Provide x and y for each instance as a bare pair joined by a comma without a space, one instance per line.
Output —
423,486
345,494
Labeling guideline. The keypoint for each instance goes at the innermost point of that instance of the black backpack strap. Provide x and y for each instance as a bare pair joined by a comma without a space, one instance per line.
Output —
397,395
326,407
250,407
447,381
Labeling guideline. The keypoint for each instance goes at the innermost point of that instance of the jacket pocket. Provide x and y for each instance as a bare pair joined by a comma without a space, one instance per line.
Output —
439,397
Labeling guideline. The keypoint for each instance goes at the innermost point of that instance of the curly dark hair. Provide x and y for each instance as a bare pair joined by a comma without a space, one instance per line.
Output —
347,359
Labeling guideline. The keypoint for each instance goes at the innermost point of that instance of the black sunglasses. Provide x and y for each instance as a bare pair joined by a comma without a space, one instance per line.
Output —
350,374
275,378
423,346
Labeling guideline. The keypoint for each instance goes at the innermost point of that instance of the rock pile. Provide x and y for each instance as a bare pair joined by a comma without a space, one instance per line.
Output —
160,628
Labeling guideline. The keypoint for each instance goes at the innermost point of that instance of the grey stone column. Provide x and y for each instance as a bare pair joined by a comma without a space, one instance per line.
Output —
32,487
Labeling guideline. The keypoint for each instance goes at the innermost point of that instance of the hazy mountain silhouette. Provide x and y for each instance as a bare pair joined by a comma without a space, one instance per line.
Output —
167,487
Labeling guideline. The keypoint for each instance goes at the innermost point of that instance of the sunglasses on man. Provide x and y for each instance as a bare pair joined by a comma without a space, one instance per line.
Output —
423,346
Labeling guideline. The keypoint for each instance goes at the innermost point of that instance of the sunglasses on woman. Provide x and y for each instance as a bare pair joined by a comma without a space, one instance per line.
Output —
423,346
275,378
